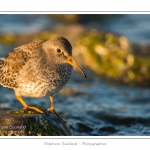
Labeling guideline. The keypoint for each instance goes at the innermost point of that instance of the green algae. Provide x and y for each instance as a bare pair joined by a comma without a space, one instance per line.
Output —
22,111
111,56
41,128
8,38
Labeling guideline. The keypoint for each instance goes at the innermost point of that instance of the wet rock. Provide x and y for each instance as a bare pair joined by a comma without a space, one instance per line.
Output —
29,123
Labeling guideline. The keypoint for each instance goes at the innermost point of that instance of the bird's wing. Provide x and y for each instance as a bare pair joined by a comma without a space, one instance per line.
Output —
14,61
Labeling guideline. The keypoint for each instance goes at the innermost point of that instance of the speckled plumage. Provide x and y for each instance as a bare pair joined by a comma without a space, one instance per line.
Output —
33,73
38,69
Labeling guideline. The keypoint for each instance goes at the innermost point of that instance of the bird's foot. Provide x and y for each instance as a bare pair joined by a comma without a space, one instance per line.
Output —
33,108
54,112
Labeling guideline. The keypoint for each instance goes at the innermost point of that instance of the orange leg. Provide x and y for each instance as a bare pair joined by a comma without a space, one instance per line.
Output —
52,109
52,104
19,98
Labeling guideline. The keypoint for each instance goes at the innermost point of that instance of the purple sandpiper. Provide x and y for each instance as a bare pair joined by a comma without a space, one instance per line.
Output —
38,69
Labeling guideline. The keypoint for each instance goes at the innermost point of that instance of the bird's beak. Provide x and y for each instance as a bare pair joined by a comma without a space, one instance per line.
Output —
72,62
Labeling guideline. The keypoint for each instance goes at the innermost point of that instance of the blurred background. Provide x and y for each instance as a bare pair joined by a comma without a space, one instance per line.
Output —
114,52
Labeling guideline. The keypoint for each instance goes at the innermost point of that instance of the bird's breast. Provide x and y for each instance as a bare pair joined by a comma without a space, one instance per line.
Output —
60,77
45,83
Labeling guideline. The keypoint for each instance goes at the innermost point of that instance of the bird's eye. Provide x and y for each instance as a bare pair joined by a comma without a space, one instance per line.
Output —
58,50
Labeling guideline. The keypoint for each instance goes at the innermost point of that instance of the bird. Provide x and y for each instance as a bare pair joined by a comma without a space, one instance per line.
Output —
38,69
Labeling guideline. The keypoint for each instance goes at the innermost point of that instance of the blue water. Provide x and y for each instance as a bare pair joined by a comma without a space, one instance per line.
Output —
136,27
23,23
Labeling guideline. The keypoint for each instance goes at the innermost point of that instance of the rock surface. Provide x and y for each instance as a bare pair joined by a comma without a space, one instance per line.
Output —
29,123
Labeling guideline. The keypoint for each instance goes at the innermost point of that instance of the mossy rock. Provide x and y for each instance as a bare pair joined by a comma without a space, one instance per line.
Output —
111,56
30,123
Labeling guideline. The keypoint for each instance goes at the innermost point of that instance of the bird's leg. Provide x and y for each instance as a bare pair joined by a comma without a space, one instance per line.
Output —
52,109
52,104
19,98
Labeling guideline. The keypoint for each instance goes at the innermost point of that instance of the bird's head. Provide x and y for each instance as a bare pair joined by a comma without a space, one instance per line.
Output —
60,49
